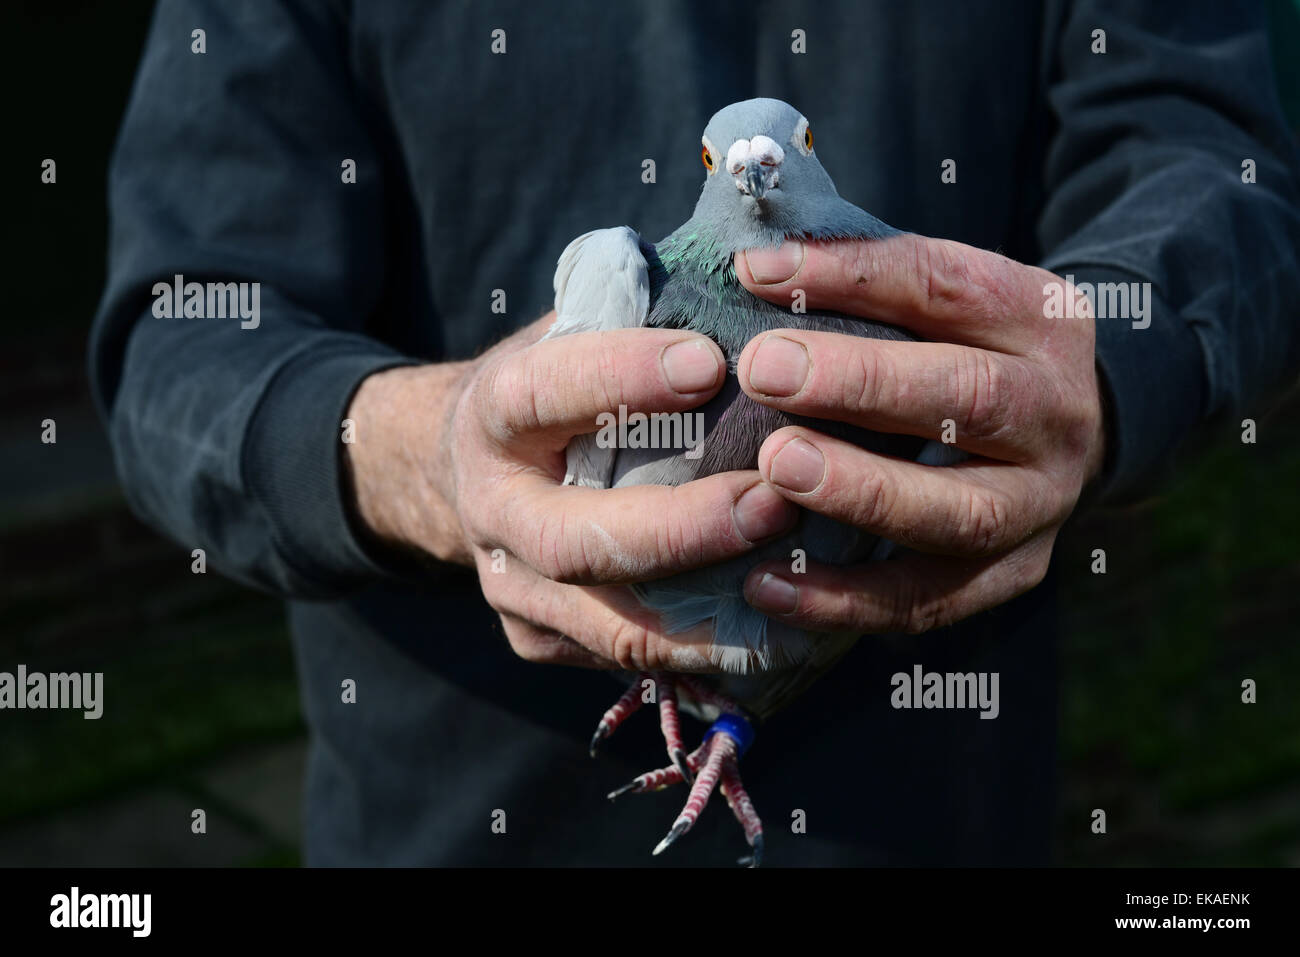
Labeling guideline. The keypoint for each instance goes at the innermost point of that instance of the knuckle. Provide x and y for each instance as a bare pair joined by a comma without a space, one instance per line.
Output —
1077,424
925,613
1030,575
498,592
529,401
493,384
678,539
502,395
559,554
494,596
525,649
1000,284
629,646
1082,304
982,388
522,639
869,381
943,271
907,611
471,520
925,618
1060,497
872,502
984,522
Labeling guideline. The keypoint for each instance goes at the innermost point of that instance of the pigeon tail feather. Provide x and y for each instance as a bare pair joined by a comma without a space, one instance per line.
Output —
741,642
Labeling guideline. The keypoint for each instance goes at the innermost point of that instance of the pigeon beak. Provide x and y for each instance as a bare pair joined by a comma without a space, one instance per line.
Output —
755,165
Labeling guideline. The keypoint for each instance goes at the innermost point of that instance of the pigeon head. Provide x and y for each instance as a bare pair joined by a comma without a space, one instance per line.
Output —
759,156
764,182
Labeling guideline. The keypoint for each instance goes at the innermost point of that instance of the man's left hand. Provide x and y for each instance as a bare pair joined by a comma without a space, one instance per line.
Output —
1016,390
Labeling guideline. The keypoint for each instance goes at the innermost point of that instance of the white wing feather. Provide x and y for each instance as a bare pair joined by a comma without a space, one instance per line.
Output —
602,282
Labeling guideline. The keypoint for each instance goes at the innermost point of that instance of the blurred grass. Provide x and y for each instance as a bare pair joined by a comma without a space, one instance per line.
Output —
1202,591
194,666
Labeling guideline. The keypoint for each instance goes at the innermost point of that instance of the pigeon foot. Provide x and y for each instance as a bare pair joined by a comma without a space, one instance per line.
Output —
714,764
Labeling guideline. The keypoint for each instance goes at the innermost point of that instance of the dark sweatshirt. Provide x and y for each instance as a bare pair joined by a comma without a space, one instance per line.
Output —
473,170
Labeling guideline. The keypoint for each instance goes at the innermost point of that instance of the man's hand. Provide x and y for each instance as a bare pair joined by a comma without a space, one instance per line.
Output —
465,462
1021,390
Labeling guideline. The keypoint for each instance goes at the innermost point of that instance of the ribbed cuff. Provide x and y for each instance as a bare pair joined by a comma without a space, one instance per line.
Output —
1154,387
293,465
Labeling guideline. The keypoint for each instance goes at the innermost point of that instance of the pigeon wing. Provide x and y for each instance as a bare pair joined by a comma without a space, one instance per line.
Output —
602,282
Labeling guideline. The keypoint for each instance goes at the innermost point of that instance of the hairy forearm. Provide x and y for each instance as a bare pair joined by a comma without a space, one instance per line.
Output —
397,462
400,464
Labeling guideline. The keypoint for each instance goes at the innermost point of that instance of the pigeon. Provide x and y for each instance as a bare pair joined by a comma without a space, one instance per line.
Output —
763,185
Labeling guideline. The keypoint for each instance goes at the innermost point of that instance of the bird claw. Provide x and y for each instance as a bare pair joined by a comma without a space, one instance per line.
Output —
619,792
712,765
677,831
679,761
756,858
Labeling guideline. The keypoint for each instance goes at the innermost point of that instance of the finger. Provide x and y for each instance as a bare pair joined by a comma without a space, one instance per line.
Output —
608,621
912,594
545,647
559,386
638,533
902,387
973,508
938,288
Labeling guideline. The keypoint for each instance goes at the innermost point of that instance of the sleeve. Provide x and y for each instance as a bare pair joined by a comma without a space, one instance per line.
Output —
227,431
1148,182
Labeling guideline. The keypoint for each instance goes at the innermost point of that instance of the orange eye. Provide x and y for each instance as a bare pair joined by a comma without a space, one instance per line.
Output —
807,138
708,159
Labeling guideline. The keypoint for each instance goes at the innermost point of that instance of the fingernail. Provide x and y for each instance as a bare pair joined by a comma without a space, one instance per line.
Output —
691,366
775,595
761,513
798,466
769,266
779,367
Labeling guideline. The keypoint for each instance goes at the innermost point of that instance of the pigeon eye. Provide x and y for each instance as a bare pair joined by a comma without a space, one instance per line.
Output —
708,159
802,138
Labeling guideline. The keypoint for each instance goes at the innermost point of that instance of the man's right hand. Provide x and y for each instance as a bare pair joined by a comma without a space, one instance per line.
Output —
466,462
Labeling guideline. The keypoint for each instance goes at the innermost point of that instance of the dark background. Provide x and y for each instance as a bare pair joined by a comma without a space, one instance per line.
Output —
1202,586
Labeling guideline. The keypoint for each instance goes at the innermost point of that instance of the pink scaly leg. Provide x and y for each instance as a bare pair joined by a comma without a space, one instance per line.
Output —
662,778
738,799
721,747
713,763
624,706
670,724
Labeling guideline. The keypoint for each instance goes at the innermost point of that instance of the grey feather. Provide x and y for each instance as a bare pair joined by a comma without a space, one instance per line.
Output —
602,282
